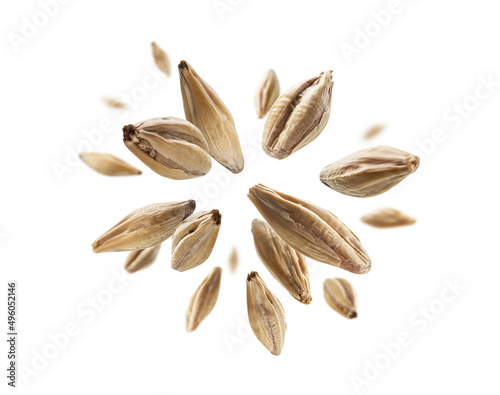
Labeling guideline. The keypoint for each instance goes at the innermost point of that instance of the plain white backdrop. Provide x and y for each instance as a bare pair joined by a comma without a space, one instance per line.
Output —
429,71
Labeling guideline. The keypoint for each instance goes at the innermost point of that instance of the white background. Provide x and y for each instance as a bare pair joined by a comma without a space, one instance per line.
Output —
430,57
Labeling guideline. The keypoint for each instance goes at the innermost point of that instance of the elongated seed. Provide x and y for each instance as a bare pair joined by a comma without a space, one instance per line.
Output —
114,103
340,296
266,315
267,93
145,227
387,218
233,260
107,164
311,230
161,59
141,259
298,116
373,131
369,172
194,240
171,147
204,108
203,300
286,265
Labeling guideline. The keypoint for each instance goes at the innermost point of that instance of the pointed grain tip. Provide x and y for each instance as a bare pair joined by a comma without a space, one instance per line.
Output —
191,205
216,216
236,169
128,132
251,191
363,269
414,163
251,276
306,299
